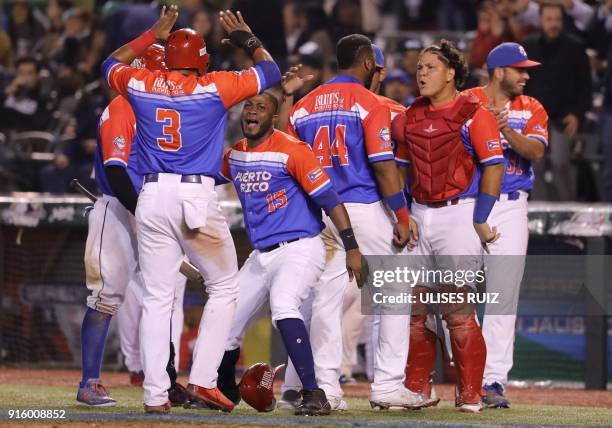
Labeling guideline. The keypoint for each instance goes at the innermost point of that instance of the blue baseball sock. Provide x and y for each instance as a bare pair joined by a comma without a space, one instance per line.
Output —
296,340
94,331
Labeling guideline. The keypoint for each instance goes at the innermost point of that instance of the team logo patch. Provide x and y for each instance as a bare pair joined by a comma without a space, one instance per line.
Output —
315,174
493,145
522,51
203,51
539,128
119,142
385,135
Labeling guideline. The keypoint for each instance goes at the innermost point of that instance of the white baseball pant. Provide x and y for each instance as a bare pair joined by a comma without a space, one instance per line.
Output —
282,278
129,316
175,220
373,227
505,266
111,256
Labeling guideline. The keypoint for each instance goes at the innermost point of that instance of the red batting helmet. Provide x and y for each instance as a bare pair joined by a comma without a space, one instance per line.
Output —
256,386
186,49
153,58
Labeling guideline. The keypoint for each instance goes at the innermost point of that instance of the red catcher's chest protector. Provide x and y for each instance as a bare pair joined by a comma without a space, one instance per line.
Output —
440,165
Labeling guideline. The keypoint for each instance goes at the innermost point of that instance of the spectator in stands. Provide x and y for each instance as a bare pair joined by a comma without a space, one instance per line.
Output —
577,14
204,23
75,159
346,19
54,27
600,38
398,86
313,64
24,28
6,51
410,60
294,22
497,23
454,15
318,30
563,85
24,105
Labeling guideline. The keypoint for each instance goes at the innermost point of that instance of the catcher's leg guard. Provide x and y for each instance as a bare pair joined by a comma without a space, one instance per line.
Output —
422,348
469,350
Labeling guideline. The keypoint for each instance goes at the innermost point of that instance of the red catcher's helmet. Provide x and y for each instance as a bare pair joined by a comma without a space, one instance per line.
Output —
152,59
186,49
256,386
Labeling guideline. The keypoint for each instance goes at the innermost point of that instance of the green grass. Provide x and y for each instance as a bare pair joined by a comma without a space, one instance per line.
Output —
130,407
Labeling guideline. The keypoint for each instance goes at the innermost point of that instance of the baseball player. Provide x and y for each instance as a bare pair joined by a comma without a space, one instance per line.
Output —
352,318
180,116
348,129
282,189
111,261
452,199
523,124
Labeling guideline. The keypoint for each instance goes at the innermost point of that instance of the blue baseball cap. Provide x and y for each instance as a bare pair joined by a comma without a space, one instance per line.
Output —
399,75
509,55
378,56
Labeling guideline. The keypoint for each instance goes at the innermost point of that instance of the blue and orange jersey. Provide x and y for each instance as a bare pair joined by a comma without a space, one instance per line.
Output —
348,128
181,119
527,117
276,183
116,131
479,135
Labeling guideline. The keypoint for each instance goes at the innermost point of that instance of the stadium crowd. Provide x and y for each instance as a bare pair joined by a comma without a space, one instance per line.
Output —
52,94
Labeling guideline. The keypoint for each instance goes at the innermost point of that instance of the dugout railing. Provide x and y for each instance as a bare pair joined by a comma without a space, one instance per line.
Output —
563,329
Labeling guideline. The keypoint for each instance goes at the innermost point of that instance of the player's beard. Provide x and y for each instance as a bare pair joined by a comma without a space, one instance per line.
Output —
368,81
511,90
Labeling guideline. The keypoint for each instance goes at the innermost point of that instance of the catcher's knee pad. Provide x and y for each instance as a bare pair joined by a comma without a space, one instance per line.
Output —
469,354
421,354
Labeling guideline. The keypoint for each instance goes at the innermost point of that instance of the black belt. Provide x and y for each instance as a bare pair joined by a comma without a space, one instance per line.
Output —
191,178
514,196
277,245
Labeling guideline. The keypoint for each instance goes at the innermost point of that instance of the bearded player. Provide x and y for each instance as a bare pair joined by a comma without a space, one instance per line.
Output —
282,190
456,167
523,125
348,128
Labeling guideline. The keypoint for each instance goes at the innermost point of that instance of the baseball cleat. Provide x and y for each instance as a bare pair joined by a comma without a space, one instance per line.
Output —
494,396
177,395
346,379
402,398
158,410
289,400
230,390
337,404
212,397
137,378
470,407
95,394
314,403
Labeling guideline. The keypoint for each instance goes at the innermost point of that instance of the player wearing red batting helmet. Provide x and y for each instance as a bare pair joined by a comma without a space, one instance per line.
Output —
186,50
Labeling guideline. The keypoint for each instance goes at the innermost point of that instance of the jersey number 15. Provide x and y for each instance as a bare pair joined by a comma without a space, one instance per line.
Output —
324,149
171,119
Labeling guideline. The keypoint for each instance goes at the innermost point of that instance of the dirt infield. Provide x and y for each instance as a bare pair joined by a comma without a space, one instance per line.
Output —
533,396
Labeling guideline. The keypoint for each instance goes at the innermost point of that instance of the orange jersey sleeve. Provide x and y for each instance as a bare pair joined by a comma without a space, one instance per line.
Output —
484,138
537,126
117,130
377,134
236,86
118,75
306,169
398,135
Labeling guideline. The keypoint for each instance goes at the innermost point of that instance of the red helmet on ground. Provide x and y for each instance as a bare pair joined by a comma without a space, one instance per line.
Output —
152,59
186,49
256,386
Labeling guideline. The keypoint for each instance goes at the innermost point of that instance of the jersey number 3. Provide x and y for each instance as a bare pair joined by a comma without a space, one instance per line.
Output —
171,119
324,149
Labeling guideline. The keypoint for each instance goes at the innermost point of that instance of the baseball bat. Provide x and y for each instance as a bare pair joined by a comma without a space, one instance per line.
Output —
187,269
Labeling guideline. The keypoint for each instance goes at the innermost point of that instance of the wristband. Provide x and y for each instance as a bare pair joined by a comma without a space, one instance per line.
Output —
142,42
348,239
245,40
484,205
403,216
396,201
